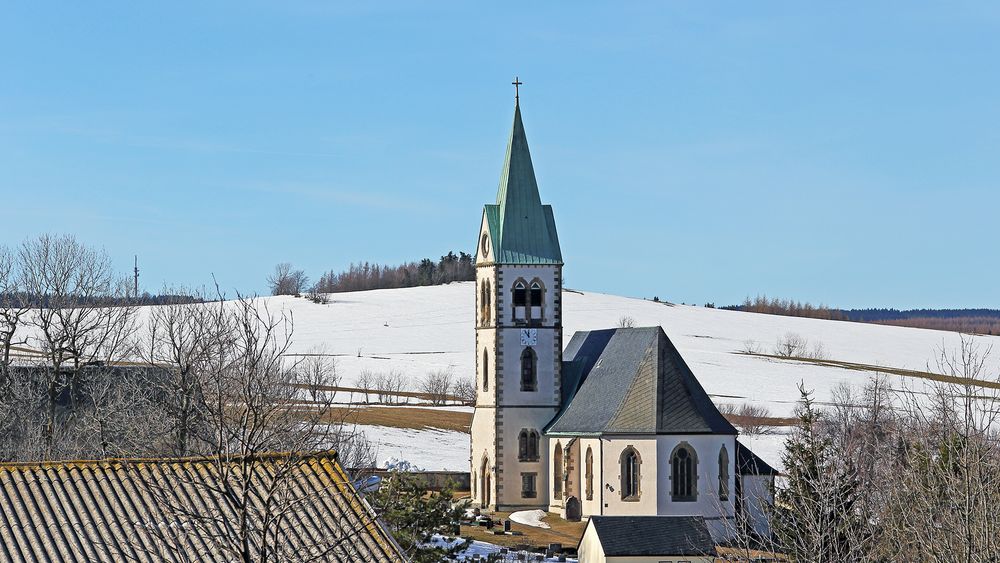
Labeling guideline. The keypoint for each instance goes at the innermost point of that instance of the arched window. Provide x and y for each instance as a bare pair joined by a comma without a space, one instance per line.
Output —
536,294
486,371
529,364
630,462
520,294
489,303
683,476
590,474
723,474
482,303
527,445
557,471
484,483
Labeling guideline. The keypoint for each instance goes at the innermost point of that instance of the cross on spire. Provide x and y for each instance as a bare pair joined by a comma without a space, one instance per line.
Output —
517,94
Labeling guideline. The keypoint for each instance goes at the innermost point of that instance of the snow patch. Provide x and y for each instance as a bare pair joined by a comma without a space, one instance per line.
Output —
530,518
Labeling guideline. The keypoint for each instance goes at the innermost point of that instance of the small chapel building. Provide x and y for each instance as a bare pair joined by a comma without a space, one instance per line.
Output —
613,423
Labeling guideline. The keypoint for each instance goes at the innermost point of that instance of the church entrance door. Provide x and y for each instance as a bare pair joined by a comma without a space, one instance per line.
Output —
484,483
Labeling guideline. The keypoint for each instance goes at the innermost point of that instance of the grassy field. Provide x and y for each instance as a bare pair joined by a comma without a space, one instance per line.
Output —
566,533
418,418
951,379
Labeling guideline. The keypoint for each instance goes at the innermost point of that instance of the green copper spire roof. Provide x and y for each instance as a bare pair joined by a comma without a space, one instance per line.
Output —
523,230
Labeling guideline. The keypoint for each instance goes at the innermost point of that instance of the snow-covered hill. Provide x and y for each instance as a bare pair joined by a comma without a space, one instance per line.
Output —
416,330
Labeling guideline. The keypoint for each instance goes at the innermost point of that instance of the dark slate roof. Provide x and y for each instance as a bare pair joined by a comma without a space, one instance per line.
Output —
623,536
632,381
523,231
129,510
748,463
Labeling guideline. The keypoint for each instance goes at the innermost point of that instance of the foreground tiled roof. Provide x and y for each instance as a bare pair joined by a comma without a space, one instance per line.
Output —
632,381
624,536
131,510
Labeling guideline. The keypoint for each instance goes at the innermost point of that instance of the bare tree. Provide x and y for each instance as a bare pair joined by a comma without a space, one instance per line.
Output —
626,321
388,385
366,382
750,346
14,306
286,281
752,420
253,406
120,417
180,340
317,373
82,318
465,389
438,385
791,345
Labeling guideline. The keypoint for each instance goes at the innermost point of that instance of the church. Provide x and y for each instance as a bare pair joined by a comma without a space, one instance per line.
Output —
612,422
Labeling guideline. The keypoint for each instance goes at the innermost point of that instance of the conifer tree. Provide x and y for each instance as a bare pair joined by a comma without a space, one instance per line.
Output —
817,514
413,515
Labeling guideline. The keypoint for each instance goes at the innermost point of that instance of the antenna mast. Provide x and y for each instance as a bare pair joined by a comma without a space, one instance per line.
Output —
136,276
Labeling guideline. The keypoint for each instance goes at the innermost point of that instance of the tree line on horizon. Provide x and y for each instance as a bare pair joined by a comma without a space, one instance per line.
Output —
971,321
361,276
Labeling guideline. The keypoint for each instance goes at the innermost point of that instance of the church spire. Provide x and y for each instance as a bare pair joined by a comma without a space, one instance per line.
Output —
525,230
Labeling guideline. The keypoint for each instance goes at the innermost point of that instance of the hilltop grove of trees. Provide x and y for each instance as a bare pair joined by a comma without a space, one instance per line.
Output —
364,275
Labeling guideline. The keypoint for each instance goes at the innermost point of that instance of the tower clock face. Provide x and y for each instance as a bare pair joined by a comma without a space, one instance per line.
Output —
529,336
486,245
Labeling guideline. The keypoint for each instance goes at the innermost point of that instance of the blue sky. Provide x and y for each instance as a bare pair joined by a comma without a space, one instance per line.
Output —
837,153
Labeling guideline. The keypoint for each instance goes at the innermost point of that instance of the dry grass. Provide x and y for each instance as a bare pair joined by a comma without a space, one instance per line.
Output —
887,370
562,531
740,420
373,392
403,417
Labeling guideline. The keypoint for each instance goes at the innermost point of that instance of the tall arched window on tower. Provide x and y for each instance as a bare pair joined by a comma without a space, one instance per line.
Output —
520,294
590,473
723,474
683,473
630,462
486,371
482,303
519,301
536,294
533,312
489,303
529,368
557,472
527,445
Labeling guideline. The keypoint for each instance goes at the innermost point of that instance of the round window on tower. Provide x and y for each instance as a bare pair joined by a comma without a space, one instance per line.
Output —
486,245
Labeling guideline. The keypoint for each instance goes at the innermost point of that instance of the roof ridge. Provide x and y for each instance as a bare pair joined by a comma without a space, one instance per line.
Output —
265,456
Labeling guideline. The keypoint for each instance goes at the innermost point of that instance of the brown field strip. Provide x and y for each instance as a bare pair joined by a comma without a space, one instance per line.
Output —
374,393
884,369
403,417
738,420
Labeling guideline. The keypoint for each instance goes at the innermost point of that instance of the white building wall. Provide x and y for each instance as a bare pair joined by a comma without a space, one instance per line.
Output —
655,477
756,498
592,505
708,503
646,504
589,549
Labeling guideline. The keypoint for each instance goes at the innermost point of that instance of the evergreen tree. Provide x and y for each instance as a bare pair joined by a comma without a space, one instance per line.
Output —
817,514
413,514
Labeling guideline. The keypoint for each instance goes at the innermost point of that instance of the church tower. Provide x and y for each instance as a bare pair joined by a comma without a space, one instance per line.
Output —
518,338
